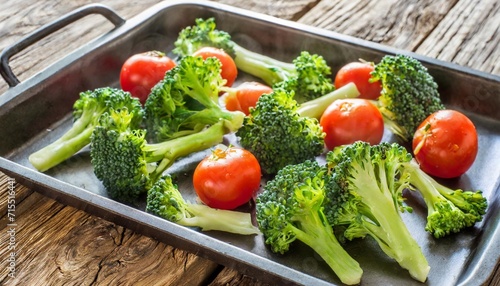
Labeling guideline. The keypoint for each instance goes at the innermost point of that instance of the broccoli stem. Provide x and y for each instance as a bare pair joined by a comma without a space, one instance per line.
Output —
73,140
315,108
170,150
432,190
266,68
389,228
422,182
320,237
208,218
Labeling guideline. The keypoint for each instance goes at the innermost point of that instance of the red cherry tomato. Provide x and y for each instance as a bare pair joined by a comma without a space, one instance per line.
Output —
245,96
445,144
227,178
142,71
359,73
352,119
229,71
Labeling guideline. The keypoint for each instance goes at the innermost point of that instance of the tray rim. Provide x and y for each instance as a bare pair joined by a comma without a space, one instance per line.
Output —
86,200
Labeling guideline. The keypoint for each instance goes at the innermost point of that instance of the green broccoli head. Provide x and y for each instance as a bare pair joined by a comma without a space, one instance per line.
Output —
186,100
277,205
448,211
86,112
165,200
104,99
202,34
409,93
291,207
364,197
118,156
277,135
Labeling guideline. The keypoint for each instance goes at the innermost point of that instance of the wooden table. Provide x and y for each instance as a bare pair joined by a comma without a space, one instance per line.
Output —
61,245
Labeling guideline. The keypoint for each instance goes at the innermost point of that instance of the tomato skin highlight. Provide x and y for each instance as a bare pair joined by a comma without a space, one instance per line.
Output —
359,73
245,96
140,72
229,71
227,179
352,119
445,144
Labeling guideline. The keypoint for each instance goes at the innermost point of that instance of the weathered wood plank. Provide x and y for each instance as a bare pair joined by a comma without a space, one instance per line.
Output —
8,185
400,24
65,243
142,260
469,35
463,32
231,277
290,10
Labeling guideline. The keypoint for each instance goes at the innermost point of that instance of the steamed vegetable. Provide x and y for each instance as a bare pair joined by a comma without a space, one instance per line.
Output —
292,207
365,198
128,165
187,100
280,132
86,113
165,200
308,74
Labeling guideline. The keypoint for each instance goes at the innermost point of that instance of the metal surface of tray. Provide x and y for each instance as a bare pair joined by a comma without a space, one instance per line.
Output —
36,111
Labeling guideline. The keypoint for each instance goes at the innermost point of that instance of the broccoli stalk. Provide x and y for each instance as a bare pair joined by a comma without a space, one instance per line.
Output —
448,211
314,108
86,112
165,200
278,134
127,165
308,74
409,94
270,70
187,100
364,191
291,208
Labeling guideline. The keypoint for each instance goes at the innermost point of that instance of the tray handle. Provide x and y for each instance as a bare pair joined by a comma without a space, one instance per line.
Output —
50,28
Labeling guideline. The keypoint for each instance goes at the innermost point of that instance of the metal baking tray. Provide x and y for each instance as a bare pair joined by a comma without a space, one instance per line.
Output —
37,110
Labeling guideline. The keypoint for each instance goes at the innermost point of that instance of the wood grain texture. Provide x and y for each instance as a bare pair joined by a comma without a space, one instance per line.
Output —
462,32
400,24
284,9
231,277
21,192
469,35
97,252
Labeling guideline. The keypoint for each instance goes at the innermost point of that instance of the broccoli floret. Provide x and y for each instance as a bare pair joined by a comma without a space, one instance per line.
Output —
165,200
277,135
308,74
448,211
314,108
291,208
364,191
409,94
86,112
186,100
127,165
280,132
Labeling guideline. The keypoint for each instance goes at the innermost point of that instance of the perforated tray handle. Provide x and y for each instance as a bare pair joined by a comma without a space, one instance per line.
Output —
48,29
